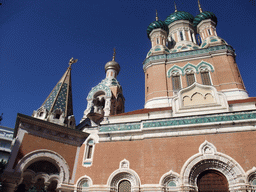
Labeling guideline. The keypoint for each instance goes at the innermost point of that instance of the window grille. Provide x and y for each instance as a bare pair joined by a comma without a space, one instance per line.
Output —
124,186
190,78
176,82
206,78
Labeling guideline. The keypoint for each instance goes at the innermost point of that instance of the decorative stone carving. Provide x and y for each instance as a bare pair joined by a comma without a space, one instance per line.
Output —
208,158
124,164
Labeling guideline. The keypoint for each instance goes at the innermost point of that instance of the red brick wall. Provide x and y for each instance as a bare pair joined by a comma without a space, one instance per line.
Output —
31,143
151,158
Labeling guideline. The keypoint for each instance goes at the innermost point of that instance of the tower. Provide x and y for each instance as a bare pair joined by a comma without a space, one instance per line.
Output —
185,61
106,98
58,106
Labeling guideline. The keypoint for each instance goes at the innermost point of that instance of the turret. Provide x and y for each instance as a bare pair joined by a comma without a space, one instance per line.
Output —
58,106
106,98
181,31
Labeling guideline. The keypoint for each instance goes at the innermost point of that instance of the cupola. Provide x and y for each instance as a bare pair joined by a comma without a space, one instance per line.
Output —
205,24
181,31
157,32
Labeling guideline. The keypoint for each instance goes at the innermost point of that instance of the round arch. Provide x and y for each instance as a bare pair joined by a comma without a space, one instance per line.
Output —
124,174
47,155
209,159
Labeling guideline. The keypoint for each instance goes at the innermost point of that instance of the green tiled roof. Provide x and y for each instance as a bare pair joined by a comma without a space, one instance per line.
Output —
156,25
203,16
179,15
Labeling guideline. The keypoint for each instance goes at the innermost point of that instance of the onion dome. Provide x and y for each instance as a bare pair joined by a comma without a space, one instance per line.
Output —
113,64
156,25
203,16
179,15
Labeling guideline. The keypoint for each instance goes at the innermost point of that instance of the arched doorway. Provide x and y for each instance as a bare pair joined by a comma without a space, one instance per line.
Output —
124,186
212,181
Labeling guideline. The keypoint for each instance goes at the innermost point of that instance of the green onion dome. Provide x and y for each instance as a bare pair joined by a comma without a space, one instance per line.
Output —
156,25
179,15
203,16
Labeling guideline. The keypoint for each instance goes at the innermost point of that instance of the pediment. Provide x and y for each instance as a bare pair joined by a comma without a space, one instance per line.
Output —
199,98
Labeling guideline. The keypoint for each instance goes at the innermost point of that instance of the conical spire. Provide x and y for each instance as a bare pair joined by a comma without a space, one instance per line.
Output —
199,5
175,6
58,106
156,16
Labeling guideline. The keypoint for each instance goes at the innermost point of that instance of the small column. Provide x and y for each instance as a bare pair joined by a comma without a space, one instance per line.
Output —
189,35
184,35
194,38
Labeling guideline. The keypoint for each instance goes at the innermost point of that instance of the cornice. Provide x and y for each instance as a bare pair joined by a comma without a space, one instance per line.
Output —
49,130
192,54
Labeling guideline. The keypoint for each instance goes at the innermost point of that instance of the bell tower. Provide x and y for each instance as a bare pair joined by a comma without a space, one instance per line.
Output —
106,98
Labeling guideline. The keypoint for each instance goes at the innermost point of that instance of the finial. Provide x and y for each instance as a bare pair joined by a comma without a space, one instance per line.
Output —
175,7
72,61
199,5
156,16
114,54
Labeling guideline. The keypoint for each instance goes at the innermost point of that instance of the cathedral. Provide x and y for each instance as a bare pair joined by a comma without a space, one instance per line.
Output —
197,131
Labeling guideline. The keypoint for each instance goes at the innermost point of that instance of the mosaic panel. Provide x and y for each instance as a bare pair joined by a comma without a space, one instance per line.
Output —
119,127
200,120
181,121
193,52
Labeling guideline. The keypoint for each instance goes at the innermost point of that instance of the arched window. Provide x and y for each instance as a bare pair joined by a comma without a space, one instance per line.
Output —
176,82
206,80
124,186
83,185
209,32
181,36
88,155
190,76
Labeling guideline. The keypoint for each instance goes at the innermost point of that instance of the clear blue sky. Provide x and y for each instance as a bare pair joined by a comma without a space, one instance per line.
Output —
38,37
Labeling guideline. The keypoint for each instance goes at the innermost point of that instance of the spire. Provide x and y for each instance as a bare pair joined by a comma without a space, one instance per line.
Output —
175,7
58,106
199,5
114,54
156,16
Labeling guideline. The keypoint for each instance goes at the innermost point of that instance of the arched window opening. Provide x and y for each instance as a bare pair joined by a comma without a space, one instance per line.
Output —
211,180
83,185
181,36
190,76
124,186
205,78
43,166
99,103
89,149
209,32
176,83
157,41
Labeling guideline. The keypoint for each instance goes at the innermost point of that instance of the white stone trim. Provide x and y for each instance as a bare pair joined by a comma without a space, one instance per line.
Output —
75,164
15,149
217,161
124,174
48,155
170,176
85,177
250,173
89,161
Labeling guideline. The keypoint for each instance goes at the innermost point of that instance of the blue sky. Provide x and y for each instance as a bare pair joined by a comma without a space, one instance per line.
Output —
38,37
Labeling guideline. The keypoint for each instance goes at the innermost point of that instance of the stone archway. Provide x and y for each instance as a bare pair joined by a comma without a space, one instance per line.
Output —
45,155
209,159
